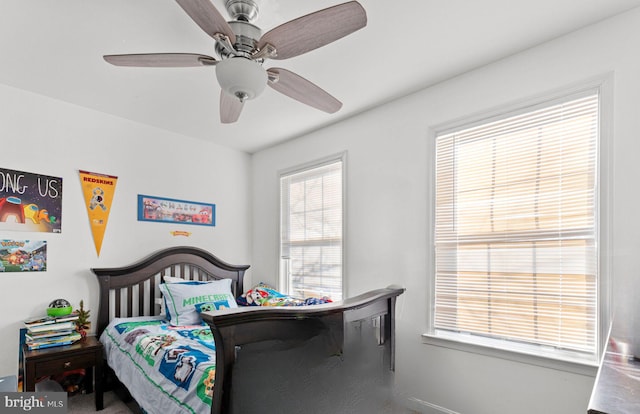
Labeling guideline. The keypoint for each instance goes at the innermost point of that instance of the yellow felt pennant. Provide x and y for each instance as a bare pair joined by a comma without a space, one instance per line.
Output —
98,192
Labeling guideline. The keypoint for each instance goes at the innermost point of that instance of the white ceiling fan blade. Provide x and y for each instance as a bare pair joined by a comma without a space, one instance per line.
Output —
300,89
161,60
205,14
315,30
230,108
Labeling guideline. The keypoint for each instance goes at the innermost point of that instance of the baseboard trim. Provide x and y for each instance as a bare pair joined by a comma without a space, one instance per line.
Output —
424,407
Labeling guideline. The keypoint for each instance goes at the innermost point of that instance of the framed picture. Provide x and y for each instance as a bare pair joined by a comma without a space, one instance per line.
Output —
169,210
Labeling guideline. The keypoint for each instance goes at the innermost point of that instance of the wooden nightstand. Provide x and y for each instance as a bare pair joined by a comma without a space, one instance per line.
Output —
85,354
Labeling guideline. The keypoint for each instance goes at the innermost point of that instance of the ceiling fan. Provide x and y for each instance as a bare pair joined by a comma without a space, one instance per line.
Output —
242,49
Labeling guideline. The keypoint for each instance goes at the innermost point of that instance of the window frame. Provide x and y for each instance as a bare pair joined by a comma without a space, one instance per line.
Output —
536,355
317,163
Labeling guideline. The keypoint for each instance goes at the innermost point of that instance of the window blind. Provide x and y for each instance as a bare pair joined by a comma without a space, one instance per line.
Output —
311,231
516,227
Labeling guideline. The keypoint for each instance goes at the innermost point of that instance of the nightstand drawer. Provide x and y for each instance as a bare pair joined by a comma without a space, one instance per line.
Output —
65,364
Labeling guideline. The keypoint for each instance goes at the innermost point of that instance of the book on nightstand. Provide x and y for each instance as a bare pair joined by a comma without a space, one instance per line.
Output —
49,320
48,342
58,326
48,331
31,336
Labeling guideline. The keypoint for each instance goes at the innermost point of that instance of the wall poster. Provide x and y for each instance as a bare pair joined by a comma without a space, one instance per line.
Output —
23,256
30,202
169,210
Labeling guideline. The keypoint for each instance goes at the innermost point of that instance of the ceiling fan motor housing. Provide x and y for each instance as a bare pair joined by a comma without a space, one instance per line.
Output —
245,10
247,36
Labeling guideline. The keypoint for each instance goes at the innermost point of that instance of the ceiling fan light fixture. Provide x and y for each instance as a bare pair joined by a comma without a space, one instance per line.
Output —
241,77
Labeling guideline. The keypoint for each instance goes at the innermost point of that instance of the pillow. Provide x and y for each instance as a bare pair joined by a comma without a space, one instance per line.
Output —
261,294
172,279
160,300
264,295
181,299
212,306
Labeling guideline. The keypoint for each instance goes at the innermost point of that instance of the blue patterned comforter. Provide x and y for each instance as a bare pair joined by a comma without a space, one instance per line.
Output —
167,369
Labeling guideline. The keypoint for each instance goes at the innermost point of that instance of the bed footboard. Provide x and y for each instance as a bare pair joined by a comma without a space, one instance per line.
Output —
233,328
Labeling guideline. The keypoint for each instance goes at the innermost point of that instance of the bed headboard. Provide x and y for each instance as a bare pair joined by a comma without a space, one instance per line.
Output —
133,290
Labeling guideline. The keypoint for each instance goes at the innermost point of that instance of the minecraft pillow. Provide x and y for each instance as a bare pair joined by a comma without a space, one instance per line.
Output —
182,298
160,300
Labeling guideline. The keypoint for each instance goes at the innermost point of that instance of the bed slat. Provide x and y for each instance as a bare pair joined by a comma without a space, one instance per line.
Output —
118,308
141,298
129,309
152,297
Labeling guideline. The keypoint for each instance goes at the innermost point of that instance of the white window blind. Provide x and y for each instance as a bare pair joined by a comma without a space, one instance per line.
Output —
311,231
516,228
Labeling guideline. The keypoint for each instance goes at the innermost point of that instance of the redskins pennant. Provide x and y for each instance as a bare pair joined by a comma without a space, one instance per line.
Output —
98,192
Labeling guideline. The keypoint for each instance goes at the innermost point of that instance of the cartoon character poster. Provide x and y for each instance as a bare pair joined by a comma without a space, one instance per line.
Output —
30,202
23,256
98,192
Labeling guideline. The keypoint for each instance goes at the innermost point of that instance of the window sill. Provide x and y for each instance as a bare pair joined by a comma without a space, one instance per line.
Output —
574,365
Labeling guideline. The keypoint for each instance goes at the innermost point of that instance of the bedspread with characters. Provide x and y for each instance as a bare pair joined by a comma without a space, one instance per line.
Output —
167,369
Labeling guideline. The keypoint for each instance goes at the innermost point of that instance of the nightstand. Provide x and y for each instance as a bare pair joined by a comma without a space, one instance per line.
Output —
86,353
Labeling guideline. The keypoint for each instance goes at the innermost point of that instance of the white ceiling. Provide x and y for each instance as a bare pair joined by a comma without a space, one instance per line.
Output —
55,48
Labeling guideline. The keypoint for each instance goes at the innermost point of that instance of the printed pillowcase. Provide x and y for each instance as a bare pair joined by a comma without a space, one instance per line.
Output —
184,300
263,294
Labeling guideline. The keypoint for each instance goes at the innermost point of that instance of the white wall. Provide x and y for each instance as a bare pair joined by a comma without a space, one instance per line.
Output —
45,136
388,183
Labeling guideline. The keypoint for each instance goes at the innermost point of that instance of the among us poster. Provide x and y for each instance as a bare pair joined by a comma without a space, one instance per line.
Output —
30,202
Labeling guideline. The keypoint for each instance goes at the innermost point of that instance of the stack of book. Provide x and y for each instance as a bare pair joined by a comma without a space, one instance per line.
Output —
49,331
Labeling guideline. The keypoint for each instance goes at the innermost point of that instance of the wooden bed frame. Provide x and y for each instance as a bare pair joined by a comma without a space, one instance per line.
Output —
133,291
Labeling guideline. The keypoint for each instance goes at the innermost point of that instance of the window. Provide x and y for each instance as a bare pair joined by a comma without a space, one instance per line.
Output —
311,215
516,230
